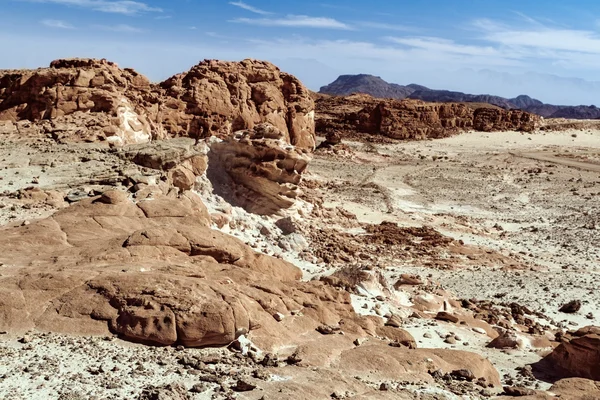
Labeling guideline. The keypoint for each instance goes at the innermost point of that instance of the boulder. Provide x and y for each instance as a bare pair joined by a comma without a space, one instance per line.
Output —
506,340
95,100
577,358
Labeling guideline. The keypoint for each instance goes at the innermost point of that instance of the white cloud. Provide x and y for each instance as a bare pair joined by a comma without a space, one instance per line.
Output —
127,7
385,27
296,21
54,23
118,28
445,46
248,7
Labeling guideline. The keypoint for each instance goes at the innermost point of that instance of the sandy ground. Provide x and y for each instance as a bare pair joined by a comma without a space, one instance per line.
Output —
535,197
520,194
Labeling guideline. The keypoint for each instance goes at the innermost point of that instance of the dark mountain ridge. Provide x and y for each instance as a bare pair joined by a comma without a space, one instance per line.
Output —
375,86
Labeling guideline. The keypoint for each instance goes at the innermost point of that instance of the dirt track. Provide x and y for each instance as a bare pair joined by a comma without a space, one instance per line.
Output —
556,159
506,191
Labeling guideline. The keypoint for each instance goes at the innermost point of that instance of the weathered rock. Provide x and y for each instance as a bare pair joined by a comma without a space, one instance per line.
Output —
397,335
153,272
413,119
86,99
571,307
579,357
490,119
445,316
167,392
407,279
219,98
506,340
264,171
518,391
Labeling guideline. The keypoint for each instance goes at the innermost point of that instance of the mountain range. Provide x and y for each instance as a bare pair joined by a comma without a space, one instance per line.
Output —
377,87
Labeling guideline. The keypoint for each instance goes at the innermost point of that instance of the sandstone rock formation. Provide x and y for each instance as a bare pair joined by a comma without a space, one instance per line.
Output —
495,119
219,98
413,119
577,358
264,170
88,99
153,270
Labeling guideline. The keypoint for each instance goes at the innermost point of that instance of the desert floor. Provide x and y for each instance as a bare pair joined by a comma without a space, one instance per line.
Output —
532,197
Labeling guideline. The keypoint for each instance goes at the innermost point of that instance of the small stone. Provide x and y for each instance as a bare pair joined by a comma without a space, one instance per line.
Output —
518,391
278,317
463,375
450,340
445,316
294,358
243,386
394,321
198,388
327,329
571,307
25,339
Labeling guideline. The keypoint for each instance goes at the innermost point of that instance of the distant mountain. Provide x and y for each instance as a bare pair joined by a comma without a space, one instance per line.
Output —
524,101
369,84
449,96
377,87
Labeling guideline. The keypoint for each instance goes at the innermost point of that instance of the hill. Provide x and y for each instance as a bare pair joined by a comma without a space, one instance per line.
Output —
377,87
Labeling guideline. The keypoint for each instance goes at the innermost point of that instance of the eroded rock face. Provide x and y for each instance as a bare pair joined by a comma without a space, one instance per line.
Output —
577,358
152,271
89,99
264,169
413,119
219,98
495,119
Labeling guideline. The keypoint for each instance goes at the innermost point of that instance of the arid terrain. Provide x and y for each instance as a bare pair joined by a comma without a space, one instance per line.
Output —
197,239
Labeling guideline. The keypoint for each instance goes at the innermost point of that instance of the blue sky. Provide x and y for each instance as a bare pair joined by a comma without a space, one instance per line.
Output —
546,48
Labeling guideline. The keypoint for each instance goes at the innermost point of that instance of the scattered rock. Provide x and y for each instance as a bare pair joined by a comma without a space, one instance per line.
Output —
571,307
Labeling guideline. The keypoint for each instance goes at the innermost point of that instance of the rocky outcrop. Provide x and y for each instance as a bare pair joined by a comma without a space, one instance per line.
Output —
575,358
86,99
493,119
219,98
153,272
257,169
413,119
94,100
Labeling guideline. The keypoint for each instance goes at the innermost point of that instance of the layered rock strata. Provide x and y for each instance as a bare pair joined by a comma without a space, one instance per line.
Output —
414,119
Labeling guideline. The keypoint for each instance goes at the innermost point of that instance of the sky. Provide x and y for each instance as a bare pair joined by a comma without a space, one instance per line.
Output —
547,49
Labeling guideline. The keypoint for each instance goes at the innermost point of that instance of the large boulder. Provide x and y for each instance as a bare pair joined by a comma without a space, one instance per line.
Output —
92,100
575,358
